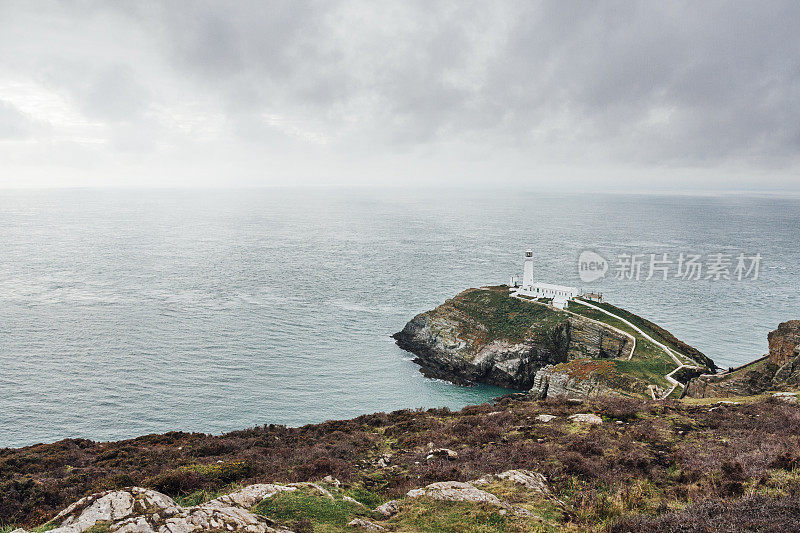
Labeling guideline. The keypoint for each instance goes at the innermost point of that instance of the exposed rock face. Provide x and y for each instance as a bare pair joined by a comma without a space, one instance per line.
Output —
550,382
784,342
483,336
786,397
589,339
779,370
252,495
585,378
456,491
138,510
754,378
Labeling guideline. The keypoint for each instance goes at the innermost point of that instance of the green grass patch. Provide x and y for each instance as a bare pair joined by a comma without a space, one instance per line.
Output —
308,504
221,472
99,527
594,314
778,484
424,514
367,497
504,317
42,529
651,368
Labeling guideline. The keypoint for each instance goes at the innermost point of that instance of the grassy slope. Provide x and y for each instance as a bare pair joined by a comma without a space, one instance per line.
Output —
649,362
503,317
659,333
648,463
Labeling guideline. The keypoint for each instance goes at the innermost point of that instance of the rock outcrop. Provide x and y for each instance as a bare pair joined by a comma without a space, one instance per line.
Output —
586,378
484,336
457,491
784,342
551,382
138,510
777,371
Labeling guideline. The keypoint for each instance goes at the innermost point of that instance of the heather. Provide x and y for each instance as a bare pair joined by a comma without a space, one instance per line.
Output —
647,466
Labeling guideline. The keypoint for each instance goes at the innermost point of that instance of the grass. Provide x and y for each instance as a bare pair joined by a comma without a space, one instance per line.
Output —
204,495
778,484
658,333
309,505
423,514
651,367
504,317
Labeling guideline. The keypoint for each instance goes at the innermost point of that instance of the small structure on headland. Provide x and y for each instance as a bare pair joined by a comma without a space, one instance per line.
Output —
559,294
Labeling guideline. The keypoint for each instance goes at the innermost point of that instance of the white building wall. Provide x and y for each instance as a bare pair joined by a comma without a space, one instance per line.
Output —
527,272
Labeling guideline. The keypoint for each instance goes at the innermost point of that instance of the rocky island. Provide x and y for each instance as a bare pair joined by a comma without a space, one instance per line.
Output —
489,335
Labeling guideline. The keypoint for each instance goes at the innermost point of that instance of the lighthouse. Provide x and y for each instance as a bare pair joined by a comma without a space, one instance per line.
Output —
527,272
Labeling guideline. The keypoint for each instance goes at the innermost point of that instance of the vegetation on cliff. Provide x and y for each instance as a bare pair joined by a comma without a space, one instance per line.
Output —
648,466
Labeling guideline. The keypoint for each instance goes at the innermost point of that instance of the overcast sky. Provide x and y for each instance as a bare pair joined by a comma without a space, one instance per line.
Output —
583,95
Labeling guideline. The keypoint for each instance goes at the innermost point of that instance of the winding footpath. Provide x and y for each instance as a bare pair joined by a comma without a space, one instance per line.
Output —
669,351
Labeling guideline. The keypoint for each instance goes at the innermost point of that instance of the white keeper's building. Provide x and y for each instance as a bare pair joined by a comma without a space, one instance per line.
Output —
535,289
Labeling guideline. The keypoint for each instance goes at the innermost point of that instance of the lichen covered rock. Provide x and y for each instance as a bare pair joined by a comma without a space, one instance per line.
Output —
138,510
456,491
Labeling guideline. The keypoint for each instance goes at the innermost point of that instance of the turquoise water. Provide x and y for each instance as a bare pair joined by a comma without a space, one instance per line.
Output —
131,312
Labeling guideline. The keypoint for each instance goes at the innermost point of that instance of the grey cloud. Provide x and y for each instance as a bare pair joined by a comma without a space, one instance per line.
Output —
617,84
14,125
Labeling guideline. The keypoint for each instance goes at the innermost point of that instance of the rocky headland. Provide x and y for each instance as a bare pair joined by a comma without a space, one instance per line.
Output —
489,336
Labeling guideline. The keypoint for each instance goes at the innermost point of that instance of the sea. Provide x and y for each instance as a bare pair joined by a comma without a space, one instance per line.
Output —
130,312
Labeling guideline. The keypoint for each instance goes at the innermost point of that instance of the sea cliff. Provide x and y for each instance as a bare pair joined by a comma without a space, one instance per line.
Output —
490,336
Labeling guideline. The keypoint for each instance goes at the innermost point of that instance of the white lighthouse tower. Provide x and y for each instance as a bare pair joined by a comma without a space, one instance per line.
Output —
527,272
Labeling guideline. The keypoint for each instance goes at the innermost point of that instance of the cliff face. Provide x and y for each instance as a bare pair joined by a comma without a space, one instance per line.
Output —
484,336
586,378
784,342
777,371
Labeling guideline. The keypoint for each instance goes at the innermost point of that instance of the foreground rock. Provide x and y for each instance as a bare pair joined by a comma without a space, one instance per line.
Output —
485,336
777,371
388,509
786,397
586,418
368,525
138,510
532,481
457,491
